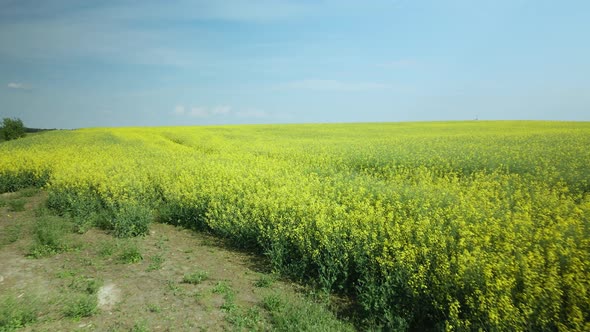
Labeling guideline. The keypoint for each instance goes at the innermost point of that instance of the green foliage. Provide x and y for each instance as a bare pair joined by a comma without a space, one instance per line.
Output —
16,312
28,192
295,314
229,295
84,207
50,234
140,326
11,181
85,285
246,320
88,209
12,128
16,205
195,278
80,305
191,216
11,233
265,281
156,262
132,220
106,249
130,253
152,307
82,224
223,287
174,288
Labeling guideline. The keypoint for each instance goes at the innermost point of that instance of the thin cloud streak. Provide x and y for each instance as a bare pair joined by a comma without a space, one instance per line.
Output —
219,112
103,41
18,86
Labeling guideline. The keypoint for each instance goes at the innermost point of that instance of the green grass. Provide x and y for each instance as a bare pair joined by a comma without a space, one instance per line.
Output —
51,236
85,285
300,314
174,288
106,249
16,205
153,307
222,287
156,262
140,326
161,242
130,253
17,312
265,281
250,319
28,192
66,273
12,233
81,305
42,210
195,278
82,224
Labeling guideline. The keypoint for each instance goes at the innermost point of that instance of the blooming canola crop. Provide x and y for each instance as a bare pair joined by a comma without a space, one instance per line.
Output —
444,225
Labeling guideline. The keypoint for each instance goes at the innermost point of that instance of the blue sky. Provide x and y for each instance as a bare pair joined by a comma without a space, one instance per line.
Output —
71,64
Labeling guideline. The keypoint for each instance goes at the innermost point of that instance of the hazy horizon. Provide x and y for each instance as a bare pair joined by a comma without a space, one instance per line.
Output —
76,64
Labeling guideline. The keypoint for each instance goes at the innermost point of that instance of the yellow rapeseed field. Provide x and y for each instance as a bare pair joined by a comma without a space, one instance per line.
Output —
443,225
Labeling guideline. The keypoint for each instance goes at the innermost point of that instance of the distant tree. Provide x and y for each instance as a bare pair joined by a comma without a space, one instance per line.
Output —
12,128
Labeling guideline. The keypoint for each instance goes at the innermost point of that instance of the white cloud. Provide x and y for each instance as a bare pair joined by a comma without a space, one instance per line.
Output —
220,112
18,86
199,112
336,85
202,111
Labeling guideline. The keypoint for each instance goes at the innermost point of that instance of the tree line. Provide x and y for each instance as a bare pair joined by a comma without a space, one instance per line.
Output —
12,128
